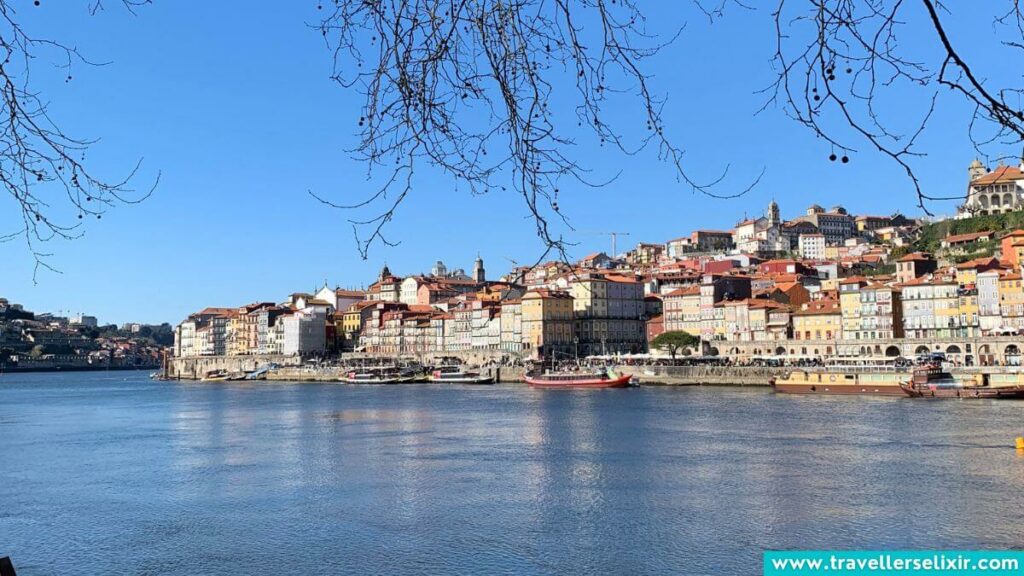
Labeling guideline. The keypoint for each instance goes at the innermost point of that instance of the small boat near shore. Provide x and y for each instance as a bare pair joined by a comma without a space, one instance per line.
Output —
385,375
604,378
215,376
932,381
456,375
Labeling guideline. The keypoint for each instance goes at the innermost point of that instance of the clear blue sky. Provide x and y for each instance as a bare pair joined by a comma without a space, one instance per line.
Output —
231,101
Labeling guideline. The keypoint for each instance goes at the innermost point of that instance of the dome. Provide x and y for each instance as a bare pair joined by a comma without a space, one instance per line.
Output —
815,209
976,164
838,209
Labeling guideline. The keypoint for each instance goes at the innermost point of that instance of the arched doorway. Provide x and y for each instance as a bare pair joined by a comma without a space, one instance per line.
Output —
780,351
1011,355
713,351
953,354
985,356
922,350
892,351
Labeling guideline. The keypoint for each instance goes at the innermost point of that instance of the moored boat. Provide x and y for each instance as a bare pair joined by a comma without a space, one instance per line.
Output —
932,381
455,375
389,375
850,381
605,378
215,376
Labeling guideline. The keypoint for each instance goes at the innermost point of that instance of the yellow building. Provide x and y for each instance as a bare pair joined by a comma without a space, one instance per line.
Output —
849,304
609,311
968,310
237,343
931,307
681,309
818,320
548,323
1011,300
967,272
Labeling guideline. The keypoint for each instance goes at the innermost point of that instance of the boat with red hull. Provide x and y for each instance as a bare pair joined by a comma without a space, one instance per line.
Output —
602,379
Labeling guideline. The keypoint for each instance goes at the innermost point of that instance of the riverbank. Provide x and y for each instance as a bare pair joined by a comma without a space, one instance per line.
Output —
8,369
290,370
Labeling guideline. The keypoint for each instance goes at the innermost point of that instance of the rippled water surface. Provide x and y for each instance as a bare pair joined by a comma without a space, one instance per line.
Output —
114,474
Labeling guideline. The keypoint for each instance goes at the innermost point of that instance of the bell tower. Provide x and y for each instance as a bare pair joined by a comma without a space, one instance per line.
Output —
479,275
773,214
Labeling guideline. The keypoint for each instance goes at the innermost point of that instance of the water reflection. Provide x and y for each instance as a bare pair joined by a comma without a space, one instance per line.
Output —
134,476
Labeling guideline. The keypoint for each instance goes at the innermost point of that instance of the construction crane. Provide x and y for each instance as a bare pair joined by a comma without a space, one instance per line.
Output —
615,237
516,275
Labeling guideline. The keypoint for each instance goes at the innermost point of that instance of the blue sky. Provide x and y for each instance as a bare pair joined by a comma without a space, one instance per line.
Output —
232,103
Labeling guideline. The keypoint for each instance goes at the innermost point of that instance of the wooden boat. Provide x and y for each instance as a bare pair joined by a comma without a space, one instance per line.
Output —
849,381
455,375
932,381
604,378
215,376
387,375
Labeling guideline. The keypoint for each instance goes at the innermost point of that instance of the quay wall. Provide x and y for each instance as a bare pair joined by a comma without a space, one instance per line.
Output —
704,375
291,369
194,368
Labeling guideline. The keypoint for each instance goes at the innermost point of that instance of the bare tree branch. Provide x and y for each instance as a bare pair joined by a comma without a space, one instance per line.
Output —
43,169
470,87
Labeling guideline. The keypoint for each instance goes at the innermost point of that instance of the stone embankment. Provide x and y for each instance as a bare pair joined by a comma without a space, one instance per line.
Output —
196,368
704,375
292,369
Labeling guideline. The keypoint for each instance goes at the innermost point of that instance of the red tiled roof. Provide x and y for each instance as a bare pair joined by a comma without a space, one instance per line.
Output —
819,307
546,293
690,291
914,256
620,279
989,262
1000,174
969,237
215,311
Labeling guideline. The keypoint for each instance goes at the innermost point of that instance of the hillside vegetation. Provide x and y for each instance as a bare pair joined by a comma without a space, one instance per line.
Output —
931,235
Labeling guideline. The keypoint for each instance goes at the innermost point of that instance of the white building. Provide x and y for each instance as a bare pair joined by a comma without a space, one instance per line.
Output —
83,320
989,317
993,191
303,332
812,246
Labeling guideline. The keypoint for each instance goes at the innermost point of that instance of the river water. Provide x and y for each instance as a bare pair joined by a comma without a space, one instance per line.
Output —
111,473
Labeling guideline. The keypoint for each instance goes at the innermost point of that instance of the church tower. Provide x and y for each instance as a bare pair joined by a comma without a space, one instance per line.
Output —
773,215
975,170
478,270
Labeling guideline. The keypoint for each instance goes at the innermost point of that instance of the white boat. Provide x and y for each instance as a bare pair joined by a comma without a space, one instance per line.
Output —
455,375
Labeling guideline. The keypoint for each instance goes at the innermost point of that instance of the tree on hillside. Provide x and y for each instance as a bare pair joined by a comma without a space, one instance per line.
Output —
469,87
673,342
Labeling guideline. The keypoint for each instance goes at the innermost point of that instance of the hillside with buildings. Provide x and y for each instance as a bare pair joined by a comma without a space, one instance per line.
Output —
45,341
822,283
